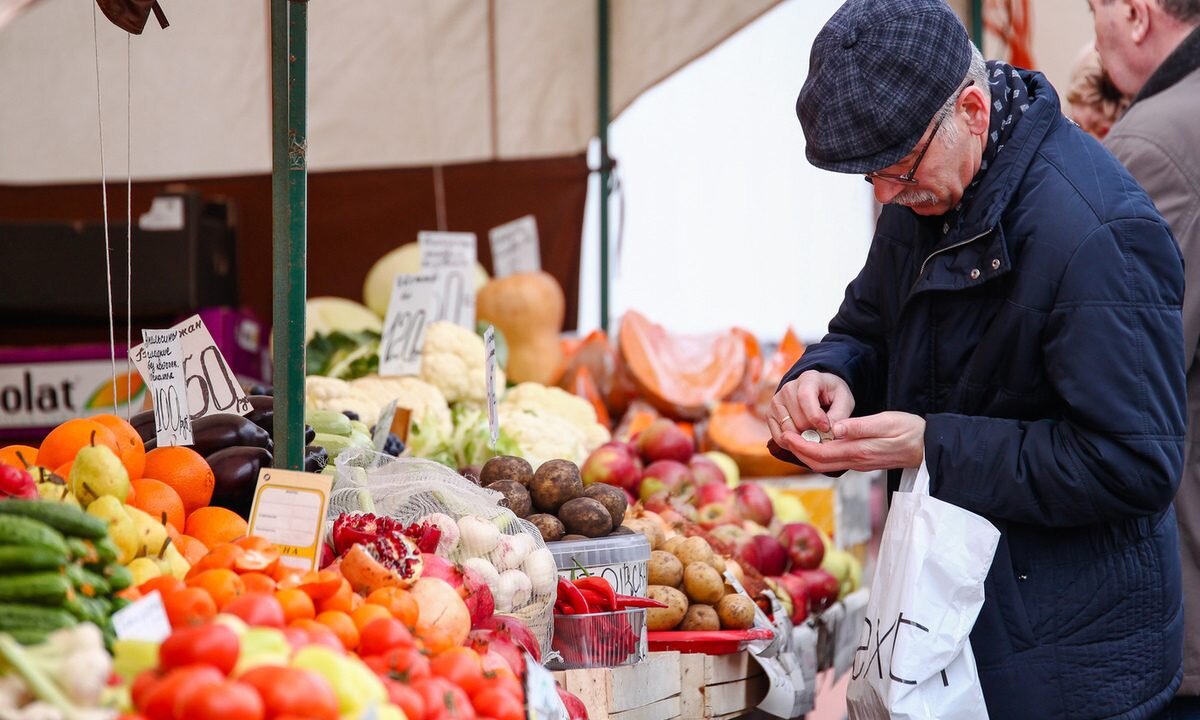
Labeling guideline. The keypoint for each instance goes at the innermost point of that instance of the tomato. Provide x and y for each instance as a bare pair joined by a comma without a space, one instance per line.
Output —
142,684
158,702
210,644
500,704
444,700
506,682
190,606
406,698
227,701
408,665
257,609
318,634
460,666
292,691
382,635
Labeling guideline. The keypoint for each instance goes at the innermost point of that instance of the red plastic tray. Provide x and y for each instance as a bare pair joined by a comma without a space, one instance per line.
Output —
707,642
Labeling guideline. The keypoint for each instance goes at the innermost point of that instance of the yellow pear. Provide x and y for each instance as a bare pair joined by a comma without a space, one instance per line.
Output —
57,492
144,569
151,533
98,471
120,526
173,563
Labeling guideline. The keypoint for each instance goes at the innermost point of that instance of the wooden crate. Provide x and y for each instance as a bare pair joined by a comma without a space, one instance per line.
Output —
646,691
720,686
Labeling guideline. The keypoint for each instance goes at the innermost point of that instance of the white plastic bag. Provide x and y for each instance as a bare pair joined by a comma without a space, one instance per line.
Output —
914,659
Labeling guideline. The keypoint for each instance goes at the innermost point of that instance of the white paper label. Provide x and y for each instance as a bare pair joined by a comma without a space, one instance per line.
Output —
144,619
166,213
163,357
383,426
452,256
413,306
541,693
289,510
212,388
515,247
489,344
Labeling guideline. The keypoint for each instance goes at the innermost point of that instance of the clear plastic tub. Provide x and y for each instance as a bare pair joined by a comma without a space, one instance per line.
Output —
622,560
599,639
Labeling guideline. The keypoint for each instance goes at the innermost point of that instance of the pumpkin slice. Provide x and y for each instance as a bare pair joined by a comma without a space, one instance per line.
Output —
736,430
594,353
747,389
681,375
785,356
580,383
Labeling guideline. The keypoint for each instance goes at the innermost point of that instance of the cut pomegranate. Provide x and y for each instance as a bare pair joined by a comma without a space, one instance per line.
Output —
387,561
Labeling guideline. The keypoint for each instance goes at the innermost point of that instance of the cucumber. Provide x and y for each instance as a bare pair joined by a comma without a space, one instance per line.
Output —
87,609
120,603
106,549
83,551
118,576
67,519
50,588
22,558
27,532
29,637
86,582
330,422
16,617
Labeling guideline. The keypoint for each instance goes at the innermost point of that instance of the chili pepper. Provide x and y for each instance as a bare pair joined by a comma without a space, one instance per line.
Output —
624,602
569,596
596,602
600,586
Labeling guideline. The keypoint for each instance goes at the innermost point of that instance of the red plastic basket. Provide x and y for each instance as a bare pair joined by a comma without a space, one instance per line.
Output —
707,642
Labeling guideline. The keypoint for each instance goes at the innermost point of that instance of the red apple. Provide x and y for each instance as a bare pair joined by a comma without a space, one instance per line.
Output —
714,493
675,477
715,514
754,503
772,555
611,465
706,471
798,590
664,440
803,544
822,588
747,554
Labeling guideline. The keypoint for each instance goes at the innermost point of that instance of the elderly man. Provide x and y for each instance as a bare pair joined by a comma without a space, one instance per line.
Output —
1017,328
1152,48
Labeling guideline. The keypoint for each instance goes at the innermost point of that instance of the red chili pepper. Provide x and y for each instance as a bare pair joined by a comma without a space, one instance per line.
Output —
596,602
629,601
600,586
569,596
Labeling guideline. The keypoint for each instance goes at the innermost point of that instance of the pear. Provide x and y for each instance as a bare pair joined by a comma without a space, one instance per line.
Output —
120,526
144,569
98,471
57,492
151,533
173,563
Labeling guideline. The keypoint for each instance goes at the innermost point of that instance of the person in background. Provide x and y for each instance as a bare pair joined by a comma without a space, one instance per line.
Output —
1016,327
1151,49
1095,102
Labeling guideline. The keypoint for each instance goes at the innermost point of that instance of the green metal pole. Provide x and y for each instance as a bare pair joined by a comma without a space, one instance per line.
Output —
289,191
602,106
977,22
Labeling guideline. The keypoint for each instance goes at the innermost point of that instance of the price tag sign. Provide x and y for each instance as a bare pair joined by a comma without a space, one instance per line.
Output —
489,343
144,619
452,257
515,247
212,387
289,510
383,426
163,357
541,693
413,306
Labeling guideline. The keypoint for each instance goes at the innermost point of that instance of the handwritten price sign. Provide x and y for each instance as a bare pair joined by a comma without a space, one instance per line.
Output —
164,374
452,257
211,386
412,307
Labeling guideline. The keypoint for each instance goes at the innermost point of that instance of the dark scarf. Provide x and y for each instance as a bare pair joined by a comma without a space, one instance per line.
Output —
1178,65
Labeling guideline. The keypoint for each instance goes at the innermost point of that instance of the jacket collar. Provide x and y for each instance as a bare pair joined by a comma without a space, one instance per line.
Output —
1178,65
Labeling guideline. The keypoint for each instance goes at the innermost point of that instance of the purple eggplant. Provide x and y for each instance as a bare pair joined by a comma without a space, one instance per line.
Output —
216,432
236,472
143,423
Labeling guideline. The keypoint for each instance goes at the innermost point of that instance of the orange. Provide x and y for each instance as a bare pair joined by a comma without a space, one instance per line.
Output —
321,584
64,472
258,582
297,605
133,450
166,585
366,613
159,500
189,606
215,525
64,441
342,625
339,601
223,585
19,456
191,548
220,556
185,470
401,604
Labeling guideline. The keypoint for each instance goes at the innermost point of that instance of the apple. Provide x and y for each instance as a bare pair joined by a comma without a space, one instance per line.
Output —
772,555
715,493
822,588
754,528
715,514
675,477
706,472
747,554
754,503
611,465
804,545
653,493
798,590
664,440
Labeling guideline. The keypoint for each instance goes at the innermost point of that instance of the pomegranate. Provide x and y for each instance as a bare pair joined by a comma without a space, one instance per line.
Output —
363,527
387,561
489,642
512,628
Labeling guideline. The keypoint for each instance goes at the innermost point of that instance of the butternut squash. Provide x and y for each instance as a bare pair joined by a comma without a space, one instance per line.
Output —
528,308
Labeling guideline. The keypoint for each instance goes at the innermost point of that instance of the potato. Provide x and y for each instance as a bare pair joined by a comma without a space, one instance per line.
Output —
516,497
718,563
669,617
650,529
736,612
671,544
694,549
664,569
585,516
555,483
702,584
612,498
506,467
700,617
550,526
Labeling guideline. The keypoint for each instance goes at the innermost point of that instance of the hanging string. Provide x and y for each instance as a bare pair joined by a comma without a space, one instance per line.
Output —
128,230
439,197
112,341
439,180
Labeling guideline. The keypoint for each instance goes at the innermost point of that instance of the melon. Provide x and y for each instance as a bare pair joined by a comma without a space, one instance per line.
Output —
377,290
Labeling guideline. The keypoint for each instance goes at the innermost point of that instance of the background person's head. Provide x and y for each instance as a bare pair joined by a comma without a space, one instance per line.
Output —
1095,102
883,77
1135,36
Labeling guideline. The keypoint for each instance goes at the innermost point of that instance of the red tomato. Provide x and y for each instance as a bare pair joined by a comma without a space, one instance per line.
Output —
257,609
408,665
382,635
226,701
503,681
291,691
500,704
406,698
444,700
190,606
142,684
460,666
158,703
210,644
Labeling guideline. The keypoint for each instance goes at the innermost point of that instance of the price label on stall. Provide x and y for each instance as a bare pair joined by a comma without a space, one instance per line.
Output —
289,510
489,344
452,257
412,308
212,387
162,356
541,693
515,247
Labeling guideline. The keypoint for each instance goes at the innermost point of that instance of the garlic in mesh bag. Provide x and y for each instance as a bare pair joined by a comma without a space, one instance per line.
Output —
474,531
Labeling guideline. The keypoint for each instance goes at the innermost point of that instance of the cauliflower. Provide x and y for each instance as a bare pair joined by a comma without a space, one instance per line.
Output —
542,436
430,421
453,359
326,393
546,400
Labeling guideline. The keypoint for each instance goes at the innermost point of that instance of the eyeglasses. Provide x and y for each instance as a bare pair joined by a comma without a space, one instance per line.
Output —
909,178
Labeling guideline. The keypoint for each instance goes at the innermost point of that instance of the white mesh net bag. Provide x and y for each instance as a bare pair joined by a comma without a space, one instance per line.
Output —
477,533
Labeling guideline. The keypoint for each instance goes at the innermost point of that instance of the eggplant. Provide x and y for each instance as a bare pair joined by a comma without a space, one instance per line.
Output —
263,414
236,472
143,423
213,433
309,434
315,458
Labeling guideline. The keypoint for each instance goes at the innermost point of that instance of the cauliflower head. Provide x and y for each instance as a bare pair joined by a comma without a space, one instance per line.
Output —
326,393
430,411
542,436
548,400
453,359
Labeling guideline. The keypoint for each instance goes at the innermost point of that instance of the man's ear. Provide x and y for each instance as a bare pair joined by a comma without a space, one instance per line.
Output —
1137,18
973,103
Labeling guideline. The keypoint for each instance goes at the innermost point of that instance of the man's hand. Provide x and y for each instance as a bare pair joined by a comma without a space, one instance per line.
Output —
815,400
876,442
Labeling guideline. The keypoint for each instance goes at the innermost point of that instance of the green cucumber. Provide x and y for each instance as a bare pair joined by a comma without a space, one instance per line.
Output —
15,617
67,519
22,558
17,530
86,582
51,588
118,576
87,609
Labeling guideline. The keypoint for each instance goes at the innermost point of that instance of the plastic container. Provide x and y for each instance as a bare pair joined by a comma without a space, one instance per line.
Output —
599,640
707,642
622,560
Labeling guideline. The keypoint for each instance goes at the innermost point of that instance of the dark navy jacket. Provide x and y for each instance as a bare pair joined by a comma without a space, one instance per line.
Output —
1041,340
